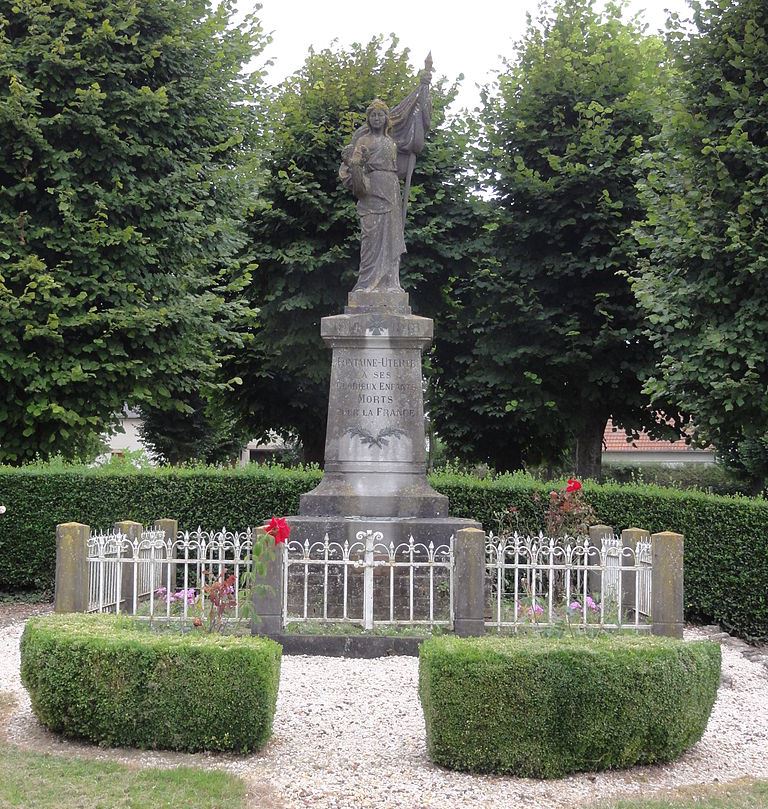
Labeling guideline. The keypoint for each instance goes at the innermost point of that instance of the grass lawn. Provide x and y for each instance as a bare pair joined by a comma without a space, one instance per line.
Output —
742,794
40,781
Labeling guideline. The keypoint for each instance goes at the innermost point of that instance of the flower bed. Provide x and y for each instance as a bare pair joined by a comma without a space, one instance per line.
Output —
545,707
109,681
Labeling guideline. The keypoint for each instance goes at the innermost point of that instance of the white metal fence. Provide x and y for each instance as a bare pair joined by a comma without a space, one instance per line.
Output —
538,581
155,575
645,576
630,566
112,555
368,581
530,581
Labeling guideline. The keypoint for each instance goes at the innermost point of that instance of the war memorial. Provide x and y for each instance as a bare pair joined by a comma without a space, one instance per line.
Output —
375,456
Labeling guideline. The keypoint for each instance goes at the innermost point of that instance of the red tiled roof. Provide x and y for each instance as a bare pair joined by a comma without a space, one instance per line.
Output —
615,440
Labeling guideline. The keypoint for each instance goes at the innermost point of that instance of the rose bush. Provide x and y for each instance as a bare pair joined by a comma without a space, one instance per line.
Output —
568,514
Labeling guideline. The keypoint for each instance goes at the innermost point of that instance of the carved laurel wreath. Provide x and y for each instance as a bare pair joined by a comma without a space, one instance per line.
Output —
380,440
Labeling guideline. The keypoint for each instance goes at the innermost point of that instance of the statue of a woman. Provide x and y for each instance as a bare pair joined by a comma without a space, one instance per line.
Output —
382,152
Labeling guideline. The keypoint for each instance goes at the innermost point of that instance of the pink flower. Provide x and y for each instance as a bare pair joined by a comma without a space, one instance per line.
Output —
190,596
574,605
535,611
592,605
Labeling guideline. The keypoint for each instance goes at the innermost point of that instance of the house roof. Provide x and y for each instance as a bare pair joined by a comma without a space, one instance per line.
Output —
615,440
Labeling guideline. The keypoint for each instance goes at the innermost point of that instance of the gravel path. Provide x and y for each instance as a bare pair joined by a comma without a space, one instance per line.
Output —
349,734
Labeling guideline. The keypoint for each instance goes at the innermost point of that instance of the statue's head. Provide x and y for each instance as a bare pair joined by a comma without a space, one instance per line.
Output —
379,110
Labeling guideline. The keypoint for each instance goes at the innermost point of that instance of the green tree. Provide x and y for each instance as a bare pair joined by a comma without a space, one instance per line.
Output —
549,340
207,430
306,233
123,176
704,285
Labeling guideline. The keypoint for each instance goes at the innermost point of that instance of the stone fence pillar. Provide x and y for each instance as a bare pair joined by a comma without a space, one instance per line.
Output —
169,527
667,584
267,616
469,582
71,593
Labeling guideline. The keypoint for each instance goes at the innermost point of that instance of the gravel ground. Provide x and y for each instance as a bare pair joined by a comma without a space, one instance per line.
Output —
349,734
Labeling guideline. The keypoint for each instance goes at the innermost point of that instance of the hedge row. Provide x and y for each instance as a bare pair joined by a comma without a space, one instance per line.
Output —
543,707
726,538
37,500
103,679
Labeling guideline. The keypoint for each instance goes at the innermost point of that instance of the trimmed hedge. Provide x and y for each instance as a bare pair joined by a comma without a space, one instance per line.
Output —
726,538
544,707
112,682
710,478
38,499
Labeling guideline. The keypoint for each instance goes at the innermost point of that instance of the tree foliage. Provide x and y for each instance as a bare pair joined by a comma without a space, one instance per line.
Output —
705,186
207,431
122,177
548,341
306,233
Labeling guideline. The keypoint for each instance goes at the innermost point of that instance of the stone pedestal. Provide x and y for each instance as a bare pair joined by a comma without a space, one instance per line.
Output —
375,457
375,481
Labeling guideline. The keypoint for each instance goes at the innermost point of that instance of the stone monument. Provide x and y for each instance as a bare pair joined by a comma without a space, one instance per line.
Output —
375,456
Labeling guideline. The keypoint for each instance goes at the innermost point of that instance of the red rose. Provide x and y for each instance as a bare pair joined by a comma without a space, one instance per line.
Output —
278,528
573,485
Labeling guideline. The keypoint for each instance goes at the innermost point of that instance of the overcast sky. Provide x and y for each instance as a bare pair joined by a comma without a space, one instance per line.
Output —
465,37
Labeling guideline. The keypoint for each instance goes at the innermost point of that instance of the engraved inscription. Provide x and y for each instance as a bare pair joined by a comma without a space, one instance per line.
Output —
352,412
380,387
374,362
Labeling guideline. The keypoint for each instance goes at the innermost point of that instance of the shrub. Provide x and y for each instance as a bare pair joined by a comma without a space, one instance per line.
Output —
113,682
38,498
545,707
711,478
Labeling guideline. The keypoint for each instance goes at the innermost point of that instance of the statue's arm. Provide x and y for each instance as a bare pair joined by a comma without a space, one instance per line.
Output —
352,171
358,183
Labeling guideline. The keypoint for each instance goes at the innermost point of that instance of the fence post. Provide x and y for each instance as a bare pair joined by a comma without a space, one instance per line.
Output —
595,577
629,539
469,582
667,584
72,588
267,615
170,528
128,570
